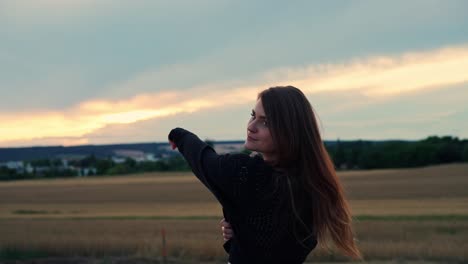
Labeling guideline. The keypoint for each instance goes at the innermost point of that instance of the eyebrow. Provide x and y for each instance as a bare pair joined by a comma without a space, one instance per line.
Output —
261,117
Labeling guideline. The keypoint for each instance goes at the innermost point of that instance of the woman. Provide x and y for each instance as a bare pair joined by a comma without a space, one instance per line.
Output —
280,203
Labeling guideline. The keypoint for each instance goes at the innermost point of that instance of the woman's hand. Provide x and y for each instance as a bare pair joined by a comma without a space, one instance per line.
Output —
226,229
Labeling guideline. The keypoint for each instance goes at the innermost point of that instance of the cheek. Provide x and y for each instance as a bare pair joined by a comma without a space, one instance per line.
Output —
267,141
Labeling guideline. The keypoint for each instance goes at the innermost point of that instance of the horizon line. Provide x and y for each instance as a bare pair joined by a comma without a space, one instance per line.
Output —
222,141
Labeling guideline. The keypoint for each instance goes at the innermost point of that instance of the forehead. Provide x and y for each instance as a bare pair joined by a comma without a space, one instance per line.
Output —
259,108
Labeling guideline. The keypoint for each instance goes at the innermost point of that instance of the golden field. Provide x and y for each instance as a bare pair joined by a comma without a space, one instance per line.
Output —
409,214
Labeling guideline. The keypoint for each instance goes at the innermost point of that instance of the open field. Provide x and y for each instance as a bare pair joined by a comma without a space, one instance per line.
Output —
410,214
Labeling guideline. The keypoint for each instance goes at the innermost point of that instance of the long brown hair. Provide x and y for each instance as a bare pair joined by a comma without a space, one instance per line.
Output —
317,196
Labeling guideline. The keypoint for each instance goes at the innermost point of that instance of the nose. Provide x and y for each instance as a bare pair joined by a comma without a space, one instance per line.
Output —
251,127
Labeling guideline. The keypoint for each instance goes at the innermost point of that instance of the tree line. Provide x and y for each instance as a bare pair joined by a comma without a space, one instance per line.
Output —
91,166
433,150
358,154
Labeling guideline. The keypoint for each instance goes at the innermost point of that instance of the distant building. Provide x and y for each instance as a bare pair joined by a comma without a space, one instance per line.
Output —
28,168
14,165
136,155
82,172
67,159
18,166
151,157
118,160
222,148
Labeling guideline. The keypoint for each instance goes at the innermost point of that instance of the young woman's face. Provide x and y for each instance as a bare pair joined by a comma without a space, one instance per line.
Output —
258,134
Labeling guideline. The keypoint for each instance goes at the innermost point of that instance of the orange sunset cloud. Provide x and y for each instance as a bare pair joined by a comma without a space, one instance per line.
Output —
376,77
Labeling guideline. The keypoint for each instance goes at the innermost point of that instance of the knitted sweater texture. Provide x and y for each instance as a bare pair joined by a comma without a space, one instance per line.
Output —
255,202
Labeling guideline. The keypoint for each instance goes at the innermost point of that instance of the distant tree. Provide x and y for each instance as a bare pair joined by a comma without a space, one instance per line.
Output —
465,153
370,159
120,168
55,162
177,163
339,155
40,163
130,163
89,161
161,166
152,166
103,165
7,174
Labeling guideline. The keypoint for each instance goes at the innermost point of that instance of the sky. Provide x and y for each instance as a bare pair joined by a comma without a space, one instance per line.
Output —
78,72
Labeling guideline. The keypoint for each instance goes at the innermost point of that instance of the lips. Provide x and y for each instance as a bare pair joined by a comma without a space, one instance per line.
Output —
251,138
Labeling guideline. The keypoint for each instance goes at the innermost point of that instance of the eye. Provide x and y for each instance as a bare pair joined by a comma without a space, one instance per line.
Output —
265,123
252,115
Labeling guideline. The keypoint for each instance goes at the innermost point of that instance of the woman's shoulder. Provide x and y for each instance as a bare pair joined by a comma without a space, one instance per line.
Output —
251,178
247,162
244,156
252,170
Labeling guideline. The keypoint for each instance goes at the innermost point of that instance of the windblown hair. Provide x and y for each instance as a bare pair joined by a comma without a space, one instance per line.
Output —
317,196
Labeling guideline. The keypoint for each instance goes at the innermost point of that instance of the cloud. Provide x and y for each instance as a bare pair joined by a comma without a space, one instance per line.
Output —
92,115
375,78
384,75
410,116
47,141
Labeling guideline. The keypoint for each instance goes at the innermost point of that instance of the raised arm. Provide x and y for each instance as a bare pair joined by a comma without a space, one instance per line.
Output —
225,175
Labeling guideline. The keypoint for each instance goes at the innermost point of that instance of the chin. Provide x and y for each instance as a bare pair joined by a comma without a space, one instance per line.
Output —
248,146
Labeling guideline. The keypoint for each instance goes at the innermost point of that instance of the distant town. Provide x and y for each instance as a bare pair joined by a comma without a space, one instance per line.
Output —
86,160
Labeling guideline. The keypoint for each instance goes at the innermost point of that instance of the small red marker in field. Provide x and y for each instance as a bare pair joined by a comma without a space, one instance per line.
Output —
164,248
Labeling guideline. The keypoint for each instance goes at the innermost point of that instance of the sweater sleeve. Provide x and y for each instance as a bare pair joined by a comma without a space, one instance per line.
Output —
226,176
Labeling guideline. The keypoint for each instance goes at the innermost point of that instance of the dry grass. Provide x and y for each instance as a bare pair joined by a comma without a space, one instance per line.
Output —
426,206
445,181
110,237
200,239
39,216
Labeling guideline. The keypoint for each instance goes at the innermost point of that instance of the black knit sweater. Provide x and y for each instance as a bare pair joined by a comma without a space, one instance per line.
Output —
254,200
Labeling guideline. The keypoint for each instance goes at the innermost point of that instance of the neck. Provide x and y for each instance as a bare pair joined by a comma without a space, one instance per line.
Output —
269,158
